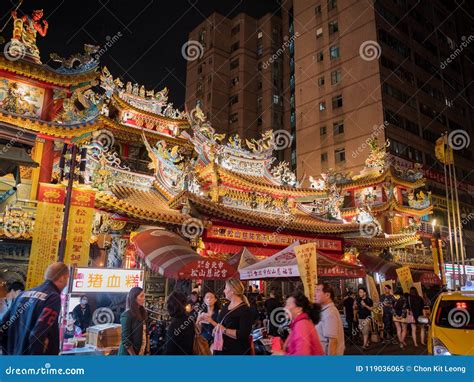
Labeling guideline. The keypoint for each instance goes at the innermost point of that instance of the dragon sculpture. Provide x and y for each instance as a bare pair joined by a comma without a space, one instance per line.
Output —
263,144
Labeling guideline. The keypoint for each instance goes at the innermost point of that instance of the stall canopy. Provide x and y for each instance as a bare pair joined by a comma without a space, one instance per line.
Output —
243,259
284,264
172,257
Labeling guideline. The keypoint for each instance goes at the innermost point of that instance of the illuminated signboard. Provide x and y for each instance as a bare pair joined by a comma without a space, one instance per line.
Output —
106,280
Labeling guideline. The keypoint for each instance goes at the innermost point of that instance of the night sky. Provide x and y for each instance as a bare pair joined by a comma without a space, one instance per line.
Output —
153,32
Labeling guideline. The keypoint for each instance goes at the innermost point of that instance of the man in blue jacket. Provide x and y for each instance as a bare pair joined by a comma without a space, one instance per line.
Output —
31,326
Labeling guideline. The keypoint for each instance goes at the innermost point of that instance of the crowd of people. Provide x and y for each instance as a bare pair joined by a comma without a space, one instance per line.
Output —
214,325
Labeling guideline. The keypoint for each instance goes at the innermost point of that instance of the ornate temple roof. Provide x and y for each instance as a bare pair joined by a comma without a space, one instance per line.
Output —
47,74
292,221
143,206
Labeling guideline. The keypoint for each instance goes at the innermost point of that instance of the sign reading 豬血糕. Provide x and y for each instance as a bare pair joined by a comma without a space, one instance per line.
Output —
106,280
270,238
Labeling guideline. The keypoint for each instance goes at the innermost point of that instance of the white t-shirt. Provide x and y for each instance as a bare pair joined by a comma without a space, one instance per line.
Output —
330,326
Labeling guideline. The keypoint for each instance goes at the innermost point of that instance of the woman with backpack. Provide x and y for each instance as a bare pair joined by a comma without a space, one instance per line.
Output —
400,309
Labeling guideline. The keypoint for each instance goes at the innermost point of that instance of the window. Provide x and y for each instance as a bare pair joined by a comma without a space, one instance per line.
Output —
319,56
208,96
209,78
337,101
340,155
276,99
260,84
324,157
199,69
335,77
202,37
259,50
235,46
259,121
260,66
321,81
234,64
319,32
235,30
338,128
259,102
332,4
233,118
334,52
333,27
322,131
259,34
317,10
235,81
322,105
233,99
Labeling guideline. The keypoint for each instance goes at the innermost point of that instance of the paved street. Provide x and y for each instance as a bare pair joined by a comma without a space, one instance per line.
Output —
382,349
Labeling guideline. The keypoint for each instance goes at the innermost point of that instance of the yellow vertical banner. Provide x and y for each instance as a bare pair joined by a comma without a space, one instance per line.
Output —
418,287
47,231
404,276
307,265
372,287
81,216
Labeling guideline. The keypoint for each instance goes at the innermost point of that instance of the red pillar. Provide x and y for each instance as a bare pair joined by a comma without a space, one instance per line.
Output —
46,167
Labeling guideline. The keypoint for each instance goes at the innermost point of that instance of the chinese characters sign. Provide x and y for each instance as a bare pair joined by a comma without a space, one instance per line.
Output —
269,238
106,280
404,276
47,232
207,269
79,228
307,265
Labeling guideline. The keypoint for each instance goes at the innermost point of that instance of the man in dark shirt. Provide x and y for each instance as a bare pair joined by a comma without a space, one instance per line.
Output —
388,301
363,307
31,326
271,304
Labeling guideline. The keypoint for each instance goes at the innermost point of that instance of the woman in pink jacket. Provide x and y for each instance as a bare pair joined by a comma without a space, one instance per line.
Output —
303,338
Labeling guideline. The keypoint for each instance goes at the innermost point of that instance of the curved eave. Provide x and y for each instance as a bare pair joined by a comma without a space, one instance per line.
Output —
48,128
384,242
299,223
43,73
163,120
134,134
373,180
393,205
111,203
255,183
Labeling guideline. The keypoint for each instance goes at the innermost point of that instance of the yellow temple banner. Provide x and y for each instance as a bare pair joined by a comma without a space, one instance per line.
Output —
372,288
47,231
418,287
307,265
405,278
81,217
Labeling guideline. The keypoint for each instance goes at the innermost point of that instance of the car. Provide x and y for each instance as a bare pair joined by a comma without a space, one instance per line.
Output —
451,322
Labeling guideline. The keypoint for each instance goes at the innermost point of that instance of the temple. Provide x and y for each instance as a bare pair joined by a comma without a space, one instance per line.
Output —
151,165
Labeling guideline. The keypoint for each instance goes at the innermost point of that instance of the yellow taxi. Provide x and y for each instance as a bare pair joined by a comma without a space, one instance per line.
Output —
451,329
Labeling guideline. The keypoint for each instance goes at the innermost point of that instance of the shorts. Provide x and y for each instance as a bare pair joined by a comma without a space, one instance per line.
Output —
365,325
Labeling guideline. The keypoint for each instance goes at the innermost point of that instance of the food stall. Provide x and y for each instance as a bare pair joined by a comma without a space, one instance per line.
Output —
106,290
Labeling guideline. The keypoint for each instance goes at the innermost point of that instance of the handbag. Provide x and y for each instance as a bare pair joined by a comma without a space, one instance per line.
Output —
200,345
410,317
